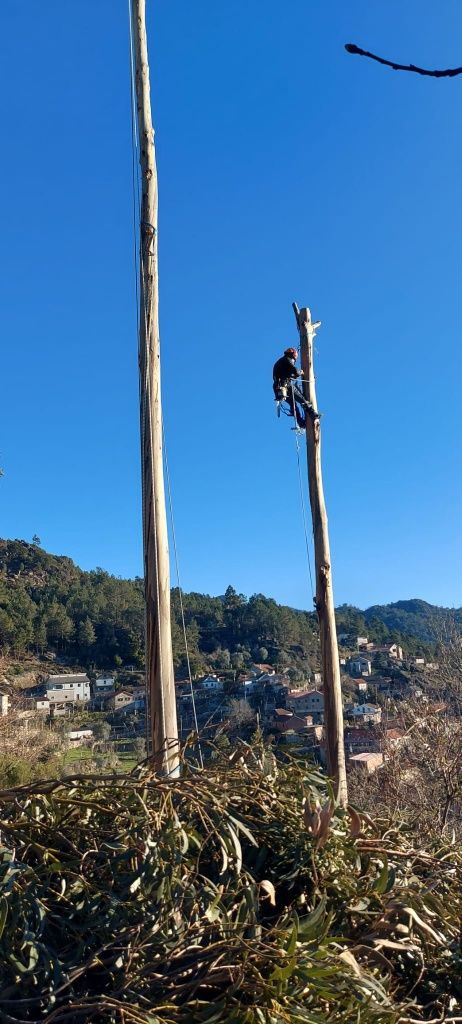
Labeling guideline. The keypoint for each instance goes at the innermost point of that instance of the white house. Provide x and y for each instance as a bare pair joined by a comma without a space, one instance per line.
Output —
360,666
68,688
103,684
365,713
42,705
266,677
4,704
212,683
361,641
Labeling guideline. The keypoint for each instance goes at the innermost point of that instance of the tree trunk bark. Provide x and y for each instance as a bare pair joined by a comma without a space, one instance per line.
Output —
324,599
159,660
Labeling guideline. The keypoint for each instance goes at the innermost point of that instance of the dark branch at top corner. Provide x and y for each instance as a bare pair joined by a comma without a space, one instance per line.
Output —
448,73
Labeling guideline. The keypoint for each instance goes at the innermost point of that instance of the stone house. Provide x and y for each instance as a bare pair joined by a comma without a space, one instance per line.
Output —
306,702
287,721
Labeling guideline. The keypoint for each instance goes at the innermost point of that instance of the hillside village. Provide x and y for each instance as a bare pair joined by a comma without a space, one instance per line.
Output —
72,674
376,679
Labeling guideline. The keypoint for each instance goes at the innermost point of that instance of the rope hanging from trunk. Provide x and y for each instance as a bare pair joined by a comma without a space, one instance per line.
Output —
302,501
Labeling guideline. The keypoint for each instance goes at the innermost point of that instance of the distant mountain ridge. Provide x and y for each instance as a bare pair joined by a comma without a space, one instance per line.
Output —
48,605
414,617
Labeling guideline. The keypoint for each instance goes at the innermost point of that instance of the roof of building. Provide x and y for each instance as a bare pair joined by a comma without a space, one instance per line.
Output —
394,734
364,710
360,733
365,755
72,679
297,694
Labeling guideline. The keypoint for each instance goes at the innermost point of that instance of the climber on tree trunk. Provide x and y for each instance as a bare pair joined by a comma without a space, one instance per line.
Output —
285,373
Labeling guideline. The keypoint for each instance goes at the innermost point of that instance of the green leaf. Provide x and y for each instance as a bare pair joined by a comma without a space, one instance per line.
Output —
3,913
311,926
380,885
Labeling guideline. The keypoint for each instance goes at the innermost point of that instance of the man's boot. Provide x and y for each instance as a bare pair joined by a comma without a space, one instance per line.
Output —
312,413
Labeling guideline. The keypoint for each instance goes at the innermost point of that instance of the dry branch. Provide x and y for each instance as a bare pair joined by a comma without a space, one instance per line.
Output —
448,73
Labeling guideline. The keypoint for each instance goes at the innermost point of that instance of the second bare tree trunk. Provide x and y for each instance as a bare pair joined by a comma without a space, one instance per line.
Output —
159,659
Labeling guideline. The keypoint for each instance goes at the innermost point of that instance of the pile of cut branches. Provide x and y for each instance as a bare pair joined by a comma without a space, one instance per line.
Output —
234,894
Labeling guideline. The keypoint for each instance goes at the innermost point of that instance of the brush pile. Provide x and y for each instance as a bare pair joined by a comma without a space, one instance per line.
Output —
235,895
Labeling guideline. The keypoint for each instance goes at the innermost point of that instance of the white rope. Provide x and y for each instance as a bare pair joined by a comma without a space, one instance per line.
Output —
180,592
302,500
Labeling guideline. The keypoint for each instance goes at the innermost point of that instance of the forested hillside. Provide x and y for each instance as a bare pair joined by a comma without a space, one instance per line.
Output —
48,605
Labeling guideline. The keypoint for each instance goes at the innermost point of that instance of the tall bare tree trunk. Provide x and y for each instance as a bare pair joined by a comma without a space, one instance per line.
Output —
159,660
333,708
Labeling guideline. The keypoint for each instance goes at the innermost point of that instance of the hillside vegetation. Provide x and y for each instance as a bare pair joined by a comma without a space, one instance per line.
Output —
50,606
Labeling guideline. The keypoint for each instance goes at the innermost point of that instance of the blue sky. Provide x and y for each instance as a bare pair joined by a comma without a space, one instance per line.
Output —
288,170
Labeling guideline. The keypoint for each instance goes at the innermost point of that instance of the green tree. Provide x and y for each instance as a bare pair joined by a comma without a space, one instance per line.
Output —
86,635
223,659
139,747
40,634
101,731
59,626
7,630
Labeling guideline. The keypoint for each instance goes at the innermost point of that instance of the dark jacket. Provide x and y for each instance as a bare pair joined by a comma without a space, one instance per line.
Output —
283,370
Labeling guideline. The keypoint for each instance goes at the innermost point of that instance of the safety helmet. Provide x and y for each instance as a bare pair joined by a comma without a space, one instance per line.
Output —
291,352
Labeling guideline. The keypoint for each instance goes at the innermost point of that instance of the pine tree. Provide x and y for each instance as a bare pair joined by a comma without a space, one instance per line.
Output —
86,635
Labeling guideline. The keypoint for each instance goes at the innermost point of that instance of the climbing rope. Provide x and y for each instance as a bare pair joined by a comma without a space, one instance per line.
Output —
302,501
180,592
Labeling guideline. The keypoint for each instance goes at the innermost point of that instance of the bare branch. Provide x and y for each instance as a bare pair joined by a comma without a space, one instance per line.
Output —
449,73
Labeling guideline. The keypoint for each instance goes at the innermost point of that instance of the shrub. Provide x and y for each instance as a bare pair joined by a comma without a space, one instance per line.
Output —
235,894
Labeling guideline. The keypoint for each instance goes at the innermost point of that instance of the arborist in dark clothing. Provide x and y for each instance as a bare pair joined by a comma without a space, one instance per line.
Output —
285,373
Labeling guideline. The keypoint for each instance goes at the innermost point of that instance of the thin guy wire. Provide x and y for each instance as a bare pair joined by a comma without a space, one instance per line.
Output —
180,591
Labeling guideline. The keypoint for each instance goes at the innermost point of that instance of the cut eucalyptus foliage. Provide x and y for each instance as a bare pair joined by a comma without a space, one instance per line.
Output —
234,894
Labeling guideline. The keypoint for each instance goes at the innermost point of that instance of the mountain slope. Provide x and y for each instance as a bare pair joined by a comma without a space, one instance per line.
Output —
49,605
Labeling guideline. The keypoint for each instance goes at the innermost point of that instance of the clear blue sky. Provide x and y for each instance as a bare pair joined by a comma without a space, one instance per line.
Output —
288,170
